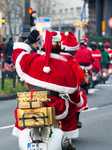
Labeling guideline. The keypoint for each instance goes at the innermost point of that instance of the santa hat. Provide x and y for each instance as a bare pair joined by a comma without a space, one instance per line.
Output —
85,39
107,44
50,37
69,41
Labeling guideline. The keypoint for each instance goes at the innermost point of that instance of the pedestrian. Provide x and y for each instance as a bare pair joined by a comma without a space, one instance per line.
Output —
3,45
9,50
20,39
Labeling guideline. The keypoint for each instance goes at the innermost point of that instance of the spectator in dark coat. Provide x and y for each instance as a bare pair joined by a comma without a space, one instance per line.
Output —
9,50
3,45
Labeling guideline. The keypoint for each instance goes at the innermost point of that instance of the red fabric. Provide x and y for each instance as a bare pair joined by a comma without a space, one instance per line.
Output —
75,97
83,55
107,44
98,58
69,40
81,74
16,123
3,45
33,64
70,122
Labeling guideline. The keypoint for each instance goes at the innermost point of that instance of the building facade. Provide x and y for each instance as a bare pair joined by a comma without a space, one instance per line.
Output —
63,14
100,11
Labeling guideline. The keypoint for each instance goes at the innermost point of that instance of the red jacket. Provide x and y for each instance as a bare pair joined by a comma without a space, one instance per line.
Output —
84,57
98,59
80,70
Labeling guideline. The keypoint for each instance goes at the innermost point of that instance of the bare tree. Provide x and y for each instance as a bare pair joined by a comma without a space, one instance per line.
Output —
12,9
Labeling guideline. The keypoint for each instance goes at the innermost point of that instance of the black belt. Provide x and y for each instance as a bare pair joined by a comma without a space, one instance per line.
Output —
53,93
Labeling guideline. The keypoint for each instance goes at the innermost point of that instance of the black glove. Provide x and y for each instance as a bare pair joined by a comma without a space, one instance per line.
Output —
33,37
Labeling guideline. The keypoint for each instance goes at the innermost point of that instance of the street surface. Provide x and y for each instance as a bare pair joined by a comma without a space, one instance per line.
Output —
96,131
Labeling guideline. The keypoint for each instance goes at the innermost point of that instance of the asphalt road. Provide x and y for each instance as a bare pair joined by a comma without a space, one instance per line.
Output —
96,131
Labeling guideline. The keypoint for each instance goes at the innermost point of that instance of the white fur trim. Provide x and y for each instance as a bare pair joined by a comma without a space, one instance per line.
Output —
57,56
67,48
77,104
22,46
84,108
72,134
16,132
65,113
56,38
81,101
46,69
33,81
96,55
66,33
88,67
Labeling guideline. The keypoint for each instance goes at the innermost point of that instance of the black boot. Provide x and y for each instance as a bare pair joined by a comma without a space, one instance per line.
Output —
66,144
79,124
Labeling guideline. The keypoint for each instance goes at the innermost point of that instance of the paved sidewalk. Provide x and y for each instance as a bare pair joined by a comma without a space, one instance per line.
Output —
8,97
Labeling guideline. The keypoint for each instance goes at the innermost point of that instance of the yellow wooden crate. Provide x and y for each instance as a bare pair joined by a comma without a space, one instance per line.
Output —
34,117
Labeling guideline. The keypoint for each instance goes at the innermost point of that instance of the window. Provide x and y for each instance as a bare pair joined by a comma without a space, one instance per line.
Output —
61,13
78,11
53,13
66,12
71,12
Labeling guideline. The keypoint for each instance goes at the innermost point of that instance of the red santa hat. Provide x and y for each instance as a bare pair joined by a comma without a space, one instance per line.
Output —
85,39
50,37
107,44
69,41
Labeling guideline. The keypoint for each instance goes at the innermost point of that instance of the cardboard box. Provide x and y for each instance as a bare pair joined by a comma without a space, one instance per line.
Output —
34,117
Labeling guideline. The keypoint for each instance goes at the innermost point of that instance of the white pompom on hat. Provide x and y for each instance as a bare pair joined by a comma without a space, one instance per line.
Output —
69,41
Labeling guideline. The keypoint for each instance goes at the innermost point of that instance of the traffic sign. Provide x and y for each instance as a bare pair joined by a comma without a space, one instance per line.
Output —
42,24
110,22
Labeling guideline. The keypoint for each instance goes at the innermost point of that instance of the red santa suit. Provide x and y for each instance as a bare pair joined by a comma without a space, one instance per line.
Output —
98,58
84,58
52,72
69,43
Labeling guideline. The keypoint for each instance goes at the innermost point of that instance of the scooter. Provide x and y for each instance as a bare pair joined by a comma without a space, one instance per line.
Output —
95,78
37,133
104,75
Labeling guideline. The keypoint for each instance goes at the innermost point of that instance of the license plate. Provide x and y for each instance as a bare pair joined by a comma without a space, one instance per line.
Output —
94,78
104,74
37,146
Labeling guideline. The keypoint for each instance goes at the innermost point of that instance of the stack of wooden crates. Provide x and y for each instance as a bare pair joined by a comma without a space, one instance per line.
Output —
31,111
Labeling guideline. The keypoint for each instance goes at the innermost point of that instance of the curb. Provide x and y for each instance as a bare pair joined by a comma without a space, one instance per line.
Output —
8,97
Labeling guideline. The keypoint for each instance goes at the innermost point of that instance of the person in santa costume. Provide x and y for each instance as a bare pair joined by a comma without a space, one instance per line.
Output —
84,56
109,50
50,72
69,46
96,55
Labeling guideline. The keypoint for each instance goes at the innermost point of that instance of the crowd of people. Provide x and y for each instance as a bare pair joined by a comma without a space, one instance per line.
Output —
58,68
